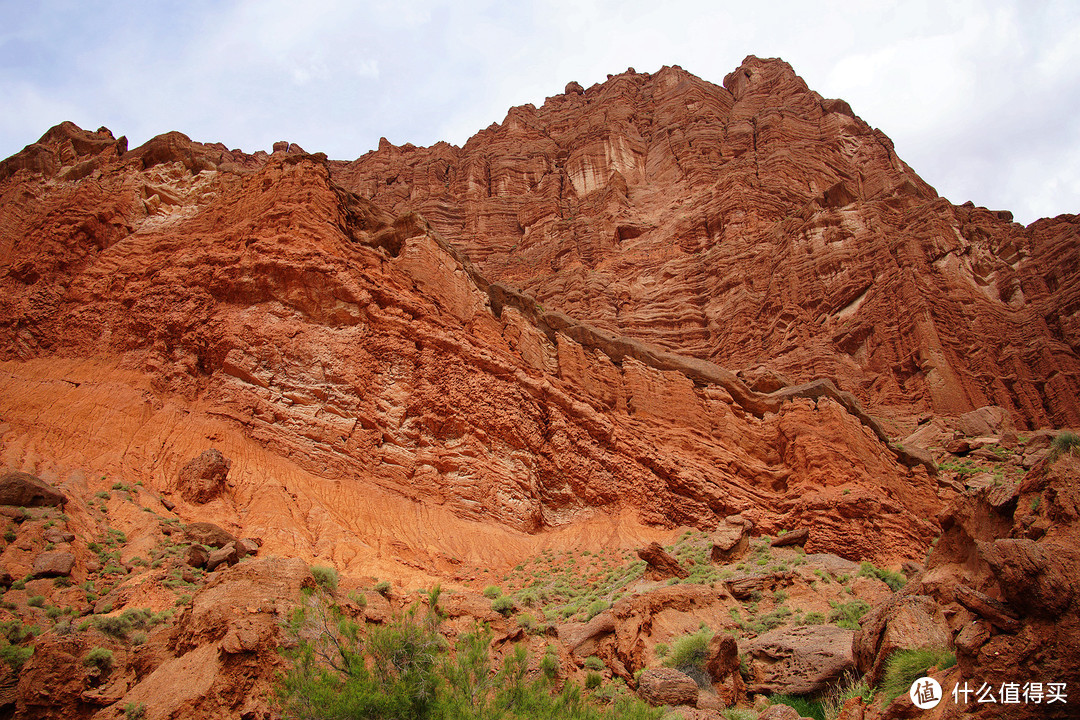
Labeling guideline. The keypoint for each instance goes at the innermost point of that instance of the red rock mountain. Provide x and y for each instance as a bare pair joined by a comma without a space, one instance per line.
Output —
435,365
756,224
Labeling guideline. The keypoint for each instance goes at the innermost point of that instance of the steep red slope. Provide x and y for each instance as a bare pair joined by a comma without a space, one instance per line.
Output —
756,224
376,401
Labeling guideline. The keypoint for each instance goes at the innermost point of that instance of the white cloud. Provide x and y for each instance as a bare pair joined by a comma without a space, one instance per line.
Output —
980,97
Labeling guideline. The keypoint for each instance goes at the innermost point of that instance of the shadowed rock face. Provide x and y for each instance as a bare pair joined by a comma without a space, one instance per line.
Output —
756,223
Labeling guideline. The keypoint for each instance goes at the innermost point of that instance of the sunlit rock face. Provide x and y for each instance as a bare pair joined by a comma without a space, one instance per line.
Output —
754,224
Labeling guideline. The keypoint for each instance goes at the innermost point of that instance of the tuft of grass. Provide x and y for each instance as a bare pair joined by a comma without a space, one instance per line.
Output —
906,666
492,591
806,707
689,653
1065,443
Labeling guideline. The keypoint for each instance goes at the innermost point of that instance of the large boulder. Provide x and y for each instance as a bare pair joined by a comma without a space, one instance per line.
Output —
798,660
982,422
24,490
661,563
208,534
1037,578
203,479
667,686
731,539
55,563
904,622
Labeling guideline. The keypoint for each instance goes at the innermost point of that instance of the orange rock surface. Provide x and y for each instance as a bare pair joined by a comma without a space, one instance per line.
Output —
372,402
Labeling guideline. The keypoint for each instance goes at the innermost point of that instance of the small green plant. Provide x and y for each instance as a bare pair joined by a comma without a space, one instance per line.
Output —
1035,502
527,622
849,686
492,591
503,605
594,663
847,615
662,649
10,535
36,601
138,638
383,587
895,580
906,666
100,657
103,494
738,714
133,711
593,680
326,577
813,618
1065,443
806,707
596,607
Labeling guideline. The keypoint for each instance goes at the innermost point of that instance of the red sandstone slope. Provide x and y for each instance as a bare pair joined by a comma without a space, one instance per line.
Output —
756,223
177,296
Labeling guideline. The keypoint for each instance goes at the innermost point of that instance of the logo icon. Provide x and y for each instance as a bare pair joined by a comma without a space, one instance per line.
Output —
925,693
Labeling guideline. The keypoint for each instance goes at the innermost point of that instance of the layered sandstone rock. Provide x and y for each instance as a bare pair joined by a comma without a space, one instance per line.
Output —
354,365
762,226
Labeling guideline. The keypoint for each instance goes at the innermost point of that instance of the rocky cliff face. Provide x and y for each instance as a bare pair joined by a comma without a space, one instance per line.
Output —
269,307
756,224
514,362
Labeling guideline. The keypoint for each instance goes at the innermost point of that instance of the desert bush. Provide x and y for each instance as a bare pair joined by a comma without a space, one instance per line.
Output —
892,578
593,680
382,587
99,656
847,615
1065,443
503,605
594,663
405,670
15,656
492,591
326,577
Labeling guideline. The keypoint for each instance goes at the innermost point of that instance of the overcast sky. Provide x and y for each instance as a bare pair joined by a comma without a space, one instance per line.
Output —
982,99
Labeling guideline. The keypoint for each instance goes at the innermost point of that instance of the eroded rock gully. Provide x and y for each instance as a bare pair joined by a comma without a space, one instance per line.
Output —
651,304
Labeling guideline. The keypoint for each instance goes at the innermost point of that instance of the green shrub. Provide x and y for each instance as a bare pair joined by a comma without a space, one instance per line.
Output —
326,577
36,601
503,605
405,670
383,587
549,664
138,638
99,656
134,711
813,618
10,535
594,663
892,578
662,649
15,656
847,615
526,621
906,666
492,591
593,680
